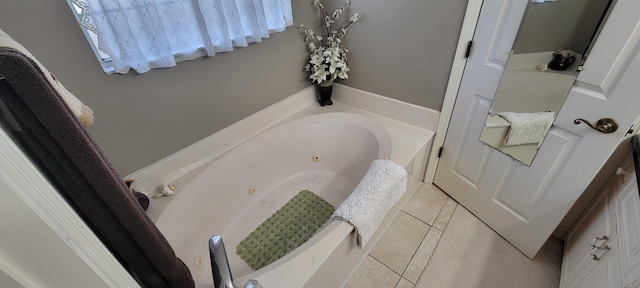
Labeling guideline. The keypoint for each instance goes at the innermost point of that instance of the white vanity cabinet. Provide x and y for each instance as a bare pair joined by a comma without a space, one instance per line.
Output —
628,202
602,249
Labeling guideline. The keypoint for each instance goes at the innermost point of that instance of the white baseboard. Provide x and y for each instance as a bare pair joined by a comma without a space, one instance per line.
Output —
395,109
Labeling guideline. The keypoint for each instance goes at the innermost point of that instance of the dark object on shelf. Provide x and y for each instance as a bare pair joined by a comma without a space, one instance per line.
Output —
142,199
562,59
635,147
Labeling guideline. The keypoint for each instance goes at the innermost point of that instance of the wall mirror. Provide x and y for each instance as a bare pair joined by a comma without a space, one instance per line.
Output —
553,41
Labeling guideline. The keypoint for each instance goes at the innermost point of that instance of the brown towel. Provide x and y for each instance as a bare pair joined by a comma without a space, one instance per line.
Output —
55,139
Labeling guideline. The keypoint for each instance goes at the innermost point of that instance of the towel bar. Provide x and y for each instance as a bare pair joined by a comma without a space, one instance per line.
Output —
495,121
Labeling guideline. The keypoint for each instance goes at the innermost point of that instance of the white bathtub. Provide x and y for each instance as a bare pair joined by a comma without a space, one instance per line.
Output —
326,153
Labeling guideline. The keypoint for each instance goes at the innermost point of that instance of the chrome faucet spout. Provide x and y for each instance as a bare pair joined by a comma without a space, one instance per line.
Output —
219,263
220,266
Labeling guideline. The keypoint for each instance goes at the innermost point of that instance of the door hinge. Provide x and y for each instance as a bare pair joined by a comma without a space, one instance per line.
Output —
440,152
468,52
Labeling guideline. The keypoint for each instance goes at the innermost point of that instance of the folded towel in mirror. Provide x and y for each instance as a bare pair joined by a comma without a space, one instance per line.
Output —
527,128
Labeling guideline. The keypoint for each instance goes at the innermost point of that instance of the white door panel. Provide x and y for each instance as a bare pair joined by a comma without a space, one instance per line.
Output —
525,204
614,47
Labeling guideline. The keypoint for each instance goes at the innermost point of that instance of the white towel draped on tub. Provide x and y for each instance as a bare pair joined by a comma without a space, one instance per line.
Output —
377,192
527,128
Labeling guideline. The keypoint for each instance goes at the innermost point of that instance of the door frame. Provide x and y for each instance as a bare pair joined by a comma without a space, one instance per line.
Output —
32,189
467,32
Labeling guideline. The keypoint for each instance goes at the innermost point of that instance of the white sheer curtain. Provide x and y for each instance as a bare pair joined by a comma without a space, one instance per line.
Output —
146,34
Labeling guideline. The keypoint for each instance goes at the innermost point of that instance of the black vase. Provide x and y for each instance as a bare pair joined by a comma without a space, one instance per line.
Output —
324,95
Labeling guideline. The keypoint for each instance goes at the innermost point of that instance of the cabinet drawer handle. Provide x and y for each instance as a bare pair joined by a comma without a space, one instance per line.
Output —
605,247
604,237
598,251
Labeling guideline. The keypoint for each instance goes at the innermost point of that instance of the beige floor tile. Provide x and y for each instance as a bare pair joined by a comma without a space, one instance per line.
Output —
445,214
426,203
372,273
422,256
398,244
470,254
404,283
457,257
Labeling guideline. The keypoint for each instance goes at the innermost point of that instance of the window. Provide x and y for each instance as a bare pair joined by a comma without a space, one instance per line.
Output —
147,34
103,58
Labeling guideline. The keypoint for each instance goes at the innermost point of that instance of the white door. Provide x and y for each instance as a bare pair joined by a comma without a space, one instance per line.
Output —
525,204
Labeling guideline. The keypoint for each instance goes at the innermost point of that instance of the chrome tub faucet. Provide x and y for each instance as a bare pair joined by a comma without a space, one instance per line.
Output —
220,266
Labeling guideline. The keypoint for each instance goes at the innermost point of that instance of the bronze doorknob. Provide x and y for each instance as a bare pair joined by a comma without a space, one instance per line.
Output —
604,125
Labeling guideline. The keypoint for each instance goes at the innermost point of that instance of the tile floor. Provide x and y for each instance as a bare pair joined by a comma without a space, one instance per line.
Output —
403,252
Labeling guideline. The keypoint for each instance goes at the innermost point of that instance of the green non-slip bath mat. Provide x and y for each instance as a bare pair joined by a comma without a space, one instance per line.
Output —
285,230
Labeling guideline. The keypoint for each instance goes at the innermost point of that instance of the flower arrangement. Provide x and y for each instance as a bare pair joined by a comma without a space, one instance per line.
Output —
327,60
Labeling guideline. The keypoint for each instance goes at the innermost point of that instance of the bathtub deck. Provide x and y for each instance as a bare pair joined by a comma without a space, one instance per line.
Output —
408,141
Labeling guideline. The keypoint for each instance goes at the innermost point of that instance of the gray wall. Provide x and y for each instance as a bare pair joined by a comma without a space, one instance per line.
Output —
404,49
559,25
400,49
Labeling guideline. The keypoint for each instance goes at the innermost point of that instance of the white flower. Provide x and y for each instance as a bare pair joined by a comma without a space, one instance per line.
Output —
327,21
316,60
335,65
327,60
320,74
354,18
343,75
